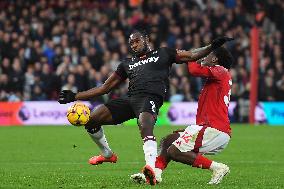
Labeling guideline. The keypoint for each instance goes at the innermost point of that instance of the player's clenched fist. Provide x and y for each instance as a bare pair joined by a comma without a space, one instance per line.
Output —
219,41
66,96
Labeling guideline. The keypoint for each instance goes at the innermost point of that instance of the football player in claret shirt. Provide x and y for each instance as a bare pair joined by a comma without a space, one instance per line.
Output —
148,74
212,131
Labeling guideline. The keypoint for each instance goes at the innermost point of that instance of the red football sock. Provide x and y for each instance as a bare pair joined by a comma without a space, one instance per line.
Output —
202,162
161,162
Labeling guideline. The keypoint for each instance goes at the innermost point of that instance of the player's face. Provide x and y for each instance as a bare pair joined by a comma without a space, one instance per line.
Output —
137,43
209,60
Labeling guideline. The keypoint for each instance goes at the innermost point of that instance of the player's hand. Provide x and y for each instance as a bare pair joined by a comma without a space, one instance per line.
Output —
66,96
219,41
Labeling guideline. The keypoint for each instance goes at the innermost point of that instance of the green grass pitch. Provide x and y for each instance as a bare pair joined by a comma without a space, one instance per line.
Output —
56,157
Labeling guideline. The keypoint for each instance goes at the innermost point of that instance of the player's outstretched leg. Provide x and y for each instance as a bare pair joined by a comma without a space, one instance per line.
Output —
100,116
146,126
197,160
161,161
106,154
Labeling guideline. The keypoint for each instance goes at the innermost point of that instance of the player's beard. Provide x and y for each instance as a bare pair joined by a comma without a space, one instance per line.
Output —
145,49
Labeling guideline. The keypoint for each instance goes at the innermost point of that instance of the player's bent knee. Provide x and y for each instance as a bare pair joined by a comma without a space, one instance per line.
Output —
167,141
146,129
146,124
173,152
146,119
92,124
100,116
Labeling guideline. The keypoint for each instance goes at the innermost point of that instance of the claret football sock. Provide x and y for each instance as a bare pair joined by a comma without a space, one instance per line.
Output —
150,150
100,139
202,162
161,162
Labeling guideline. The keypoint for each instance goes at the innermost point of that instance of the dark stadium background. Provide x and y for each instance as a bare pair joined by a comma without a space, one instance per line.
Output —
47,46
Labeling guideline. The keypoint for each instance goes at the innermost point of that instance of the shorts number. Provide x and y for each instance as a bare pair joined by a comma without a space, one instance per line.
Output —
153,106
227,98
186,137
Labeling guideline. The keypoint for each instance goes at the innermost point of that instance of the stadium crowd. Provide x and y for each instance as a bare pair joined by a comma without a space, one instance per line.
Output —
50,45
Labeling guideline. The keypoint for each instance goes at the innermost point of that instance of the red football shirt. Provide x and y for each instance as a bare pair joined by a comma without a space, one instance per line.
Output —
214,98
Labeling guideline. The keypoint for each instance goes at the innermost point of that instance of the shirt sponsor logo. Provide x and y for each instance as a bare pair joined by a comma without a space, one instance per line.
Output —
142,62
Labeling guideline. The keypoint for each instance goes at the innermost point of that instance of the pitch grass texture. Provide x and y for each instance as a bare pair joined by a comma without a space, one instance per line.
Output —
57,157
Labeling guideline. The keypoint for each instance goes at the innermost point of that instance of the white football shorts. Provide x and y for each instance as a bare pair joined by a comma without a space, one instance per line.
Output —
202,139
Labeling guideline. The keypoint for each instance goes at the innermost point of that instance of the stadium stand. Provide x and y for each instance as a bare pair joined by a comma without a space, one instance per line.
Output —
46,46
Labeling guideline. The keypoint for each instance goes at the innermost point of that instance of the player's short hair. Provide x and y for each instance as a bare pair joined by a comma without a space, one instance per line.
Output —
225,58
141,32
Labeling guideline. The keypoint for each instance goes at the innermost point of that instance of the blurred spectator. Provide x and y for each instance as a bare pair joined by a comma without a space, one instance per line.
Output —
16,76
29,82
280,89
38,94
70,85
81,78
242,109
4,87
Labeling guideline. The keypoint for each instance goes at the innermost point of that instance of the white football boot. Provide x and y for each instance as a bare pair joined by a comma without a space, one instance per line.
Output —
158,173
141,179
219,172
138,178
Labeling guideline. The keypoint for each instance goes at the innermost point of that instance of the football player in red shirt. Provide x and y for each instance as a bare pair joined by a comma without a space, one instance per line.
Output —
212,131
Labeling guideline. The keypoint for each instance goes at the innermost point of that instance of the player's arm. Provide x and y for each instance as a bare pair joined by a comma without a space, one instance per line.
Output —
196,54
113,81
196,69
